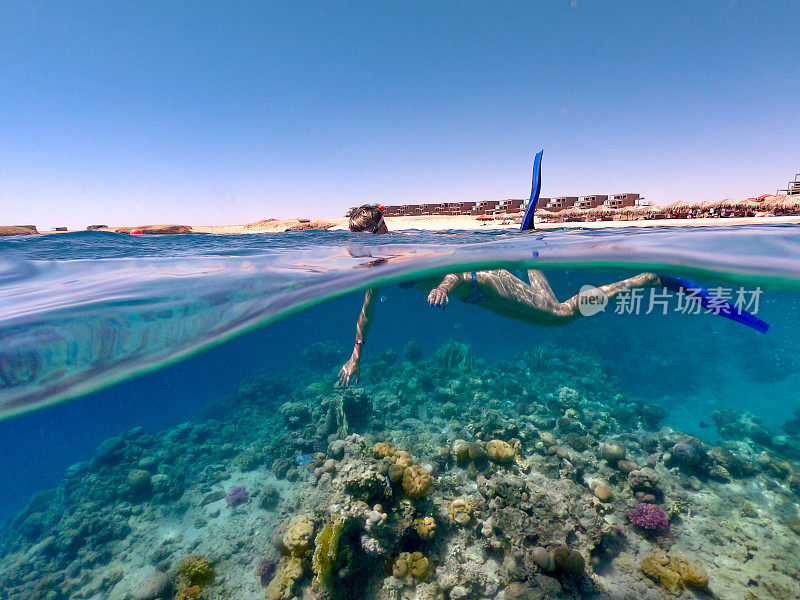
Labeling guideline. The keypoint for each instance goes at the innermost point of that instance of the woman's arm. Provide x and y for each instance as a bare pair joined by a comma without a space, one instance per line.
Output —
351,367
438,295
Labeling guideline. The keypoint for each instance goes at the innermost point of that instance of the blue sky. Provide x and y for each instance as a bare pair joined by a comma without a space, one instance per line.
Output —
218,113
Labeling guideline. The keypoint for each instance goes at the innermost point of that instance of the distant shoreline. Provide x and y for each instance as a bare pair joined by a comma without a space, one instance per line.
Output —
439,223
469,223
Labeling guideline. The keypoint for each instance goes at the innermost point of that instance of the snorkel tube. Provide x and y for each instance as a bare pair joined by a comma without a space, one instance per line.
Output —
536,187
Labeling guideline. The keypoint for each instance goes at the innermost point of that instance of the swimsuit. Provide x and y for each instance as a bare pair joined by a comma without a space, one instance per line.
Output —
475,294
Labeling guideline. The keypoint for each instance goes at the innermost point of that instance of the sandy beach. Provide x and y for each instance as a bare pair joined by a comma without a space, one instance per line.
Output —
442,223
426,223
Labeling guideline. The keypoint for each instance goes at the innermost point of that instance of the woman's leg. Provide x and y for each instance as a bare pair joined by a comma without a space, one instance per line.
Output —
613,289
538,297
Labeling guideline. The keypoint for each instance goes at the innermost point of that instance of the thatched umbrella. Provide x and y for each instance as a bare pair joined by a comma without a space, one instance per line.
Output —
682,207
646,210
659,212
742,207
572,213
707,205
635,212
789,204
772,203
627,212
600,211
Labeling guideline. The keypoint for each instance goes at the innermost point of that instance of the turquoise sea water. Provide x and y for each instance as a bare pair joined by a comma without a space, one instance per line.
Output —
144,378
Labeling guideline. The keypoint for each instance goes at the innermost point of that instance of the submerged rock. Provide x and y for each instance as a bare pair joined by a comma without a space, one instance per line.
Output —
156,587
612,451
568,561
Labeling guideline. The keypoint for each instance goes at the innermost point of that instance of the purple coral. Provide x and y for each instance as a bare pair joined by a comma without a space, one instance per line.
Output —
650,517
236,496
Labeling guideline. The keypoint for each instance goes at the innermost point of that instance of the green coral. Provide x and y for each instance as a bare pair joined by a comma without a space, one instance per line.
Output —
249,460
194,573
673,573
454,358
324,559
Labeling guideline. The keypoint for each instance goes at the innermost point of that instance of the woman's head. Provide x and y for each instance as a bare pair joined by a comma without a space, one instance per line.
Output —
368,217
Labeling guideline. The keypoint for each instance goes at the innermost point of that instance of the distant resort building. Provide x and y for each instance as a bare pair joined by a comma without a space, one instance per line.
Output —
509,207
792,188
590,201
623,200
483,207
603,207
560,203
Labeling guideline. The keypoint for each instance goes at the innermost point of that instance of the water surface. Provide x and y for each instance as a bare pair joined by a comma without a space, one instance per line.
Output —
210,362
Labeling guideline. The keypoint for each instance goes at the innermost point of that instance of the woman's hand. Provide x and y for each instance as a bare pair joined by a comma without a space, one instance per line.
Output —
349,371
438,297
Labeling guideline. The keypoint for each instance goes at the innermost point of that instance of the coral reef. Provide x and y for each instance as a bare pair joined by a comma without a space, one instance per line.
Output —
568,560
236,495
298,535
417,481
500,452
461,510
193,575
325,551
411,567
443,479
650,517
425,528
674,573
286,579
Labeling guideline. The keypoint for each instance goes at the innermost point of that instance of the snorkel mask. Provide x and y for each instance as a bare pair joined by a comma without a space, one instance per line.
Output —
381,221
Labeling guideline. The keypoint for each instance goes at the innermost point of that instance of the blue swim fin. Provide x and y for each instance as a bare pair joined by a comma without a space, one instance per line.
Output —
715,304
536,187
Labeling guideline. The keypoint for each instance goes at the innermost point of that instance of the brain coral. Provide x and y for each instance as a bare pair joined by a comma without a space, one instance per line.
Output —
418,566
500,452
401,458
416,481
461,509
411,566
298,535
461,450
400,565
383,449
425,527
568,560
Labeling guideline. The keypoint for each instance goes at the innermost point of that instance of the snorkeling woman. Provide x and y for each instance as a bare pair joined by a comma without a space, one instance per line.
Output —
498,291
